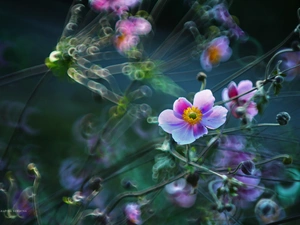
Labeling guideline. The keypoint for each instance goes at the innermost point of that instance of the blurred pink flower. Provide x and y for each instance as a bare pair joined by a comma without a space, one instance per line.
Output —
134,26
244,102
181,193
289,60
129,31
187,122
217,51
133,213
221,14
117,6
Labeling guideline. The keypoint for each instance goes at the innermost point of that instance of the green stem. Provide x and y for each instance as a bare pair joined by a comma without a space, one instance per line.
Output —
119,197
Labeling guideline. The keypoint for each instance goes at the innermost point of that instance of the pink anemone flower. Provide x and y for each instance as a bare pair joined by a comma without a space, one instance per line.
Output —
187,122
217,51
181,193
117,6
130,30
244,101
133,213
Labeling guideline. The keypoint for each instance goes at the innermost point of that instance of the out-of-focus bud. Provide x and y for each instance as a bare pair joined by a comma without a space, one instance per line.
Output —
267,211
279,79
192,179
201,76
248,167
133,213
283,118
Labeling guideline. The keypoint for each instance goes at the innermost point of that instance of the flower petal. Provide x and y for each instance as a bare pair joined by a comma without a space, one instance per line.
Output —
180,105
169,122
251,110
244,86
204,100
232,89
199,130
204,61
226,54
184,135
215,117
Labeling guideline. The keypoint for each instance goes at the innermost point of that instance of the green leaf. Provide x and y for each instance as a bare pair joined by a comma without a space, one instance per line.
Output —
277,88
166,85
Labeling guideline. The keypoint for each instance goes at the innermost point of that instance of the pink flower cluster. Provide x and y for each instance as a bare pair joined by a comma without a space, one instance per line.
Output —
117,6
241,106
181,193
129,31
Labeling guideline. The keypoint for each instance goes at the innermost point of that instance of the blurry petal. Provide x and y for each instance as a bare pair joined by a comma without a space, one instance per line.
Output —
251,110
226,54
232,89
176,186
199,130
204,61
215,117
244,86
204,100
180,105
168,121
184,135
185,200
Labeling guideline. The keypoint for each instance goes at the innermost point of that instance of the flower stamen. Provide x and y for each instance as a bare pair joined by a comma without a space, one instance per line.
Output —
192,115
214,54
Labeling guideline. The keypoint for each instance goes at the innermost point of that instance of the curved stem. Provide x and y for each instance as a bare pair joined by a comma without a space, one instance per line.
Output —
119,197
273,57
175,154
21,117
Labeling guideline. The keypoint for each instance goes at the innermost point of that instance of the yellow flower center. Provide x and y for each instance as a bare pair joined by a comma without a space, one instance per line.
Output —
192,115
214,54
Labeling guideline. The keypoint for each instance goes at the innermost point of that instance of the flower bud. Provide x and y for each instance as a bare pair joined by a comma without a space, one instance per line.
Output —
267,211
248,167
283,118
95,183
279,79
240,111
192,179
201,76
127,184
287,160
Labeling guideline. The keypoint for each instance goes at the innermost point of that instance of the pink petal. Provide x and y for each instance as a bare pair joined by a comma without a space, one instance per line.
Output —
142,26
180,105
169,122
243,87
222,42
204,100
199,130
226,54
251,110
225,97
184,135
232,89
225,94
204,61
185,200
215,117
249,180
